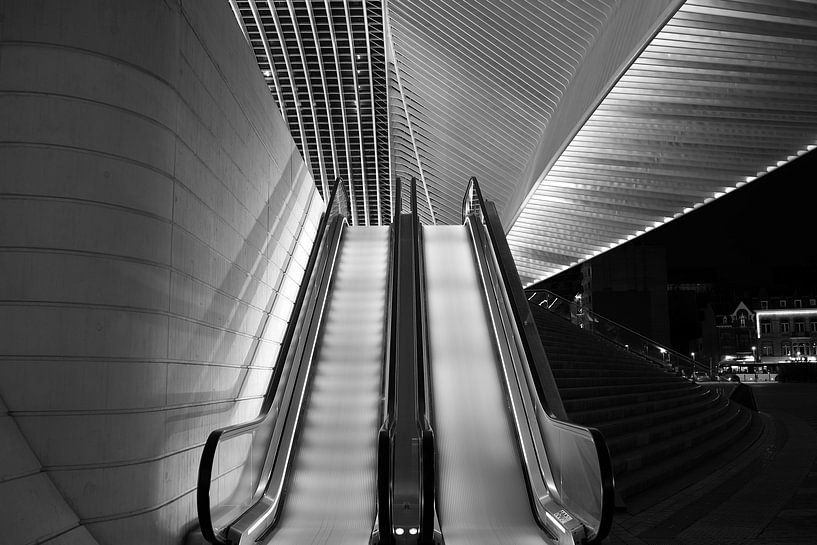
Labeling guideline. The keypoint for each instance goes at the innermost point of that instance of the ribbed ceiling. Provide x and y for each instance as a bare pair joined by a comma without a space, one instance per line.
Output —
515,92
725,90
324,63
480,81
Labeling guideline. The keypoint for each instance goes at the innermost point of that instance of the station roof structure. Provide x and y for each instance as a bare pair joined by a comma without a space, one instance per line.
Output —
588,122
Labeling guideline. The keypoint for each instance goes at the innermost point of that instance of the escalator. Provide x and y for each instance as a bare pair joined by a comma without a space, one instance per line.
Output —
511,469
305,470
331,494
411,403
482,493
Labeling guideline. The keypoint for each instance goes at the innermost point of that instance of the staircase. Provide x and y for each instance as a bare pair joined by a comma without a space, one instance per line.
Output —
658,426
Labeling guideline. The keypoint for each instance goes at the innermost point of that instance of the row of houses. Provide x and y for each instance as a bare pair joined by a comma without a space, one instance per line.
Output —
757,335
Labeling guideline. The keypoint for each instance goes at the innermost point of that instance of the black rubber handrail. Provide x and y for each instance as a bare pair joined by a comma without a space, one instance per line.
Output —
386,431
532,346
215,437
428,454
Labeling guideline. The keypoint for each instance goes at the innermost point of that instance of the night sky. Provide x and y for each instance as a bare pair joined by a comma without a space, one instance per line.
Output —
762,235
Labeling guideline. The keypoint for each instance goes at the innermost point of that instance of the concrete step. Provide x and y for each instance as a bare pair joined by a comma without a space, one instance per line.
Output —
621,411
659,431
592,372
582,404
593,392
735,440
676,445
638,417
612,380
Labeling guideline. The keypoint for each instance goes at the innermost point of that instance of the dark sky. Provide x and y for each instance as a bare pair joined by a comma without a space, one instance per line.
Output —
763,234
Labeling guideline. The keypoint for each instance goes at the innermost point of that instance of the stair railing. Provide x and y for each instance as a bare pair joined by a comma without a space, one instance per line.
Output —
624,337
244,471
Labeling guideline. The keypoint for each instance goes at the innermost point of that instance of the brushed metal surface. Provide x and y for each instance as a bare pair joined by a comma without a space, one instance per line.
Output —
482,496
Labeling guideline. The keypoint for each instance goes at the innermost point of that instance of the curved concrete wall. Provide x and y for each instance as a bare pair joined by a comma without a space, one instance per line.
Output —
155,219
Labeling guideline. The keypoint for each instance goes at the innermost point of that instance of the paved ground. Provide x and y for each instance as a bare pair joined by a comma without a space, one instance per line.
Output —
766,496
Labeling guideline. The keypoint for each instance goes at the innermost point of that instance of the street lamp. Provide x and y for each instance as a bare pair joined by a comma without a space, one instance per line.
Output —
754,353
693,364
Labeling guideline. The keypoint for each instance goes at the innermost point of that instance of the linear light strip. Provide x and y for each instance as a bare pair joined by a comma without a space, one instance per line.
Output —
268,53
237,13
316,38
388,58
412,138
288,64
348,148
312,103
359,120
374,119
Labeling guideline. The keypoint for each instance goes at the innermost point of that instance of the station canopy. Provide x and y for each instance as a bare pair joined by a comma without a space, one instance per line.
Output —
587,122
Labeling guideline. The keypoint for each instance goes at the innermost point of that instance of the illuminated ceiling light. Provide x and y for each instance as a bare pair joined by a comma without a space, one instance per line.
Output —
811,147
686,211
267,73
707,200
770,168
781,163
729,189
750,179
679,214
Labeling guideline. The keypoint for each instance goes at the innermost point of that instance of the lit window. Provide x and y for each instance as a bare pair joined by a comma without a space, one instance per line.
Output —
798,303
784,326
786,349
764,305
742,320
767,350
782,303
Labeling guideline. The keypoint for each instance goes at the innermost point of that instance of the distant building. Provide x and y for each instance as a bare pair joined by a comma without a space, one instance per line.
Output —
629,286
786,328
728,334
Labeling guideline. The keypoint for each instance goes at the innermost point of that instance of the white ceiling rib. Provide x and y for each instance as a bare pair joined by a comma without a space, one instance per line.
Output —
723,90
588,122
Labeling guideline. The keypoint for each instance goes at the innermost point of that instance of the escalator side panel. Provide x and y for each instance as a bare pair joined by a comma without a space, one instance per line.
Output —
331,494
482,491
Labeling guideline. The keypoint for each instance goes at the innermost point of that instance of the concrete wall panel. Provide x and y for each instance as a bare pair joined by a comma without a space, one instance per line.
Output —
155,222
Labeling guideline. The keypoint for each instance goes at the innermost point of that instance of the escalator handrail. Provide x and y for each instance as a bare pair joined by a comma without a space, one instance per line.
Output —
216,436
532,347
384,440
428,446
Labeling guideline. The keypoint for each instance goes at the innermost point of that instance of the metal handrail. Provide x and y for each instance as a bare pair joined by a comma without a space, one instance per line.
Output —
589,319
428,453
227,432
386,431
546,391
